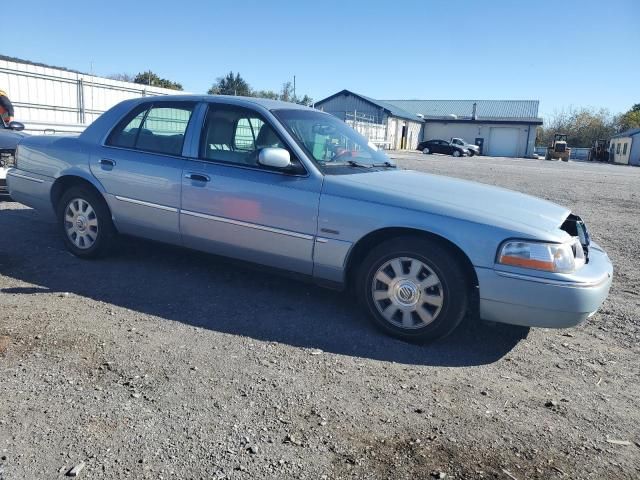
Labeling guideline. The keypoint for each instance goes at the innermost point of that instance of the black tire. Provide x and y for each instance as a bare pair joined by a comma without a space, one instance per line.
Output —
471,153
456,153
105,230
426,150
454,287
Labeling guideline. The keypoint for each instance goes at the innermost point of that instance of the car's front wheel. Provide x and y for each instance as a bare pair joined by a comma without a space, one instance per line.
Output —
413,288
456,153
471,153
85,222
426,150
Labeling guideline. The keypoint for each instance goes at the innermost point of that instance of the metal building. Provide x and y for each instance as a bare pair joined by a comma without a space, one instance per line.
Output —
386,125
51,100
624,147
502,128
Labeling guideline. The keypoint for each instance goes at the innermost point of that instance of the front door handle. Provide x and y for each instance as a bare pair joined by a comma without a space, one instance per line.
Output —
105,162
199,177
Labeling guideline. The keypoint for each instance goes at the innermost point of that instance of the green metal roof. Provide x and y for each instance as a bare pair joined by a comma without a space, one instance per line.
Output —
508,110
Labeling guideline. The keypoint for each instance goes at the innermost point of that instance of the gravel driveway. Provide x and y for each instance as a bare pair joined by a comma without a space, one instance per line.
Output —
164,363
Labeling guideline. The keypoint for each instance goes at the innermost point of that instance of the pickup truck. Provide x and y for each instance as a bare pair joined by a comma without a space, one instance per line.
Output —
473,149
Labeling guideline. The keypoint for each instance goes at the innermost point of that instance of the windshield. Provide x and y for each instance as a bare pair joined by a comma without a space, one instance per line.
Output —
330,141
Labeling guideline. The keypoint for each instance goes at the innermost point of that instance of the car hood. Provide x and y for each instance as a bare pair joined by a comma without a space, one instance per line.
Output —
10,138
451,197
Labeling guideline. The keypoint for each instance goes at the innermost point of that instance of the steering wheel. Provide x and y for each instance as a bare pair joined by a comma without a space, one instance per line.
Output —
341,152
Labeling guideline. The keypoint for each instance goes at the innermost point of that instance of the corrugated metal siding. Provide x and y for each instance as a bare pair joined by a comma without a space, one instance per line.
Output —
486,109
634,156
342,105
65,101
347,101
523,145
577,153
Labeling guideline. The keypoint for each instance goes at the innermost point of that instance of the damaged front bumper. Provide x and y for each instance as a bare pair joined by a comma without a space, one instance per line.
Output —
535,301
7,160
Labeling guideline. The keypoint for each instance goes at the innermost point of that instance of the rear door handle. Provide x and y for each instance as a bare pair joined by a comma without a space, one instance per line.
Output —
107,162
199,177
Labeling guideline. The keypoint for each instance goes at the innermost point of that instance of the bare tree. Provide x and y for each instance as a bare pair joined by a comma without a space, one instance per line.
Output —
582,126
123,77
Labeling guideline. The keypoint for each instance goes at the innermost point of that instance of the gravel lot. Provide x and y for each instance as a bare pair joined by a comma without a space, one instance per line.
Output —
164,363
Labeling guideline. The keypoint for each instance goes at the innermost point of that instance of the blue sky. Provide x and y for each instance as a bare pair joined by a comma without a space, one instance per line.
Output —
436,49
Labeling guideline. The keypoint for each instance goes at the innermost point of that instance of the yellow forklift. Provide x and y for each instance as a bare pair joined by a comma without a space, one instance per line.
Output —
559,149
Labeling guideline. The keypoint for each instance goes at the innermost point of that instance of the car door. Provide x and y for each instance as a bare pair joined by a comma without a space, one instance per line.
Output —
140,166
232,206
446,147
437,146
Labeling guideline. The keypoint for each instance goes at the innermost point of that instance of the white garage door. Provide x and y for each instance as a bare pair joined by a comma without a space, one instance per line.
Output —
504,142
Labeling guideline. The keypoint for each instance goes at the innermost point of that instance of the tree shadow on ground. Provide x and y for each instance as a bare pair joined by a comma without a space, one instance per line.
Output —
209,292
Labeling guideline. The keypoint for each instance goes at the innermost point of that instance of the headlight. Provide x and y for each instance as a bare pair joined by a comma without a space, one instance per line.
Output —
550,257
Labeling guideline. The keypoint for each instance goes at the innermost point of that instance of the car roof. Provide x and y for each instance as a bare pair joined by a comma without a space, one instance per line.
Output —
228,99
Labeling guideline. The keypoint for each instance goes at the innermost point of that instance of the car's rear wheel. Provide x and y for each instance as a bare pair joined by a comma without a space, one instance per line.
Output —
413,288
456,153
85,221
426,150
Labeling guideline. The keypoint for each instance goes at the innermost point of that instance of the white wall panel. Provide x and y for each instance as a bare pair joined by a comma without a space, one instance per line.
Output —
49,98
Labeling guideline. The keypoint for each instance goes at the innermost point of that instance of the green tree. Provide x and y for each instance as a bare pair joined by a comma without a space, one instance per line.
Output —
630,119
153,80
306,100
266,94
230,85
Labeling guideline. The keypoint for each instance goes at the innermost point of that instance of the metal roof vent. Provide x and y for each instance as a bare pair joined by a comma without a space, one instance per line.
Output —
474,114
452,116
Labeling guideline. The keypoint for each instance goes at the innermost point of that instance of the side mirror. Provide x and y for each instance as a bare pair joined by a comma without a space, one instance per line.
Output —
274,157
17,126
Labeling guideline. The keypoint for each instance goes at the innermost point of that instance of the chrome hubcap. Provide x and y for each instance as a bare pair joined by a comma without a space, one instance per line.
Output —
407,293
81,223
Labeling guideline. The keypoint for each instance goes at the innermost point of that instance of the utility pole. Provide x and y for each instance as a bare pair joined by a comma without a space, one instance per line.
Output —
294,87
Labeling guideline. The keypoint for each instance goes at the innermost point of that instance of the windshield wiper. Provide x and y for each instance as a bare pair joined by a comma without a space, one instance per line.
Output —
385,164
355,163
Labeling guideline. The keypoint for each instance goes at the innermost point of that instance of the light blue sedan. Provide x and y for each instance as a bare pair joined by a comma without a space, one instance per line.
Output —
295,189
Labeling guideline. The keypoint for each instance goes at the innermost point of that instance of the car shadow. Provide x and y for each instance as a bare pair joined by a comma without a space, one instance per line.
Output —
209,292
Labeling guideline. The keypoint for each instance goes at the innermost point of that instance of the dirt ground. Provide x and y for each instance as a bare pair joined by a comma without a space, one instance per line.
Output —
164,363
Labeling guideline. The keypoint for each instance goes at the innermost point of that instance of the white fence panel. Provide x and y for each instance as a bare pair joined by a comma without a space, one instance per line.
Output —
52,99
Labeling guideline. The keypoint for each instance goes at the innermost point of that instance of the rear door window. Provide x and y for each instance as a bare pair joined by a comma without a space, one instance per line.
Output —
156,128
125,134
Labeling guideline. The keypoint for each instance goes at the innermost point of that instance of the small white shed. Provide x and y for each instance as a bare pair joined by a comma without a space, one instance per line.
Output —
624,148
